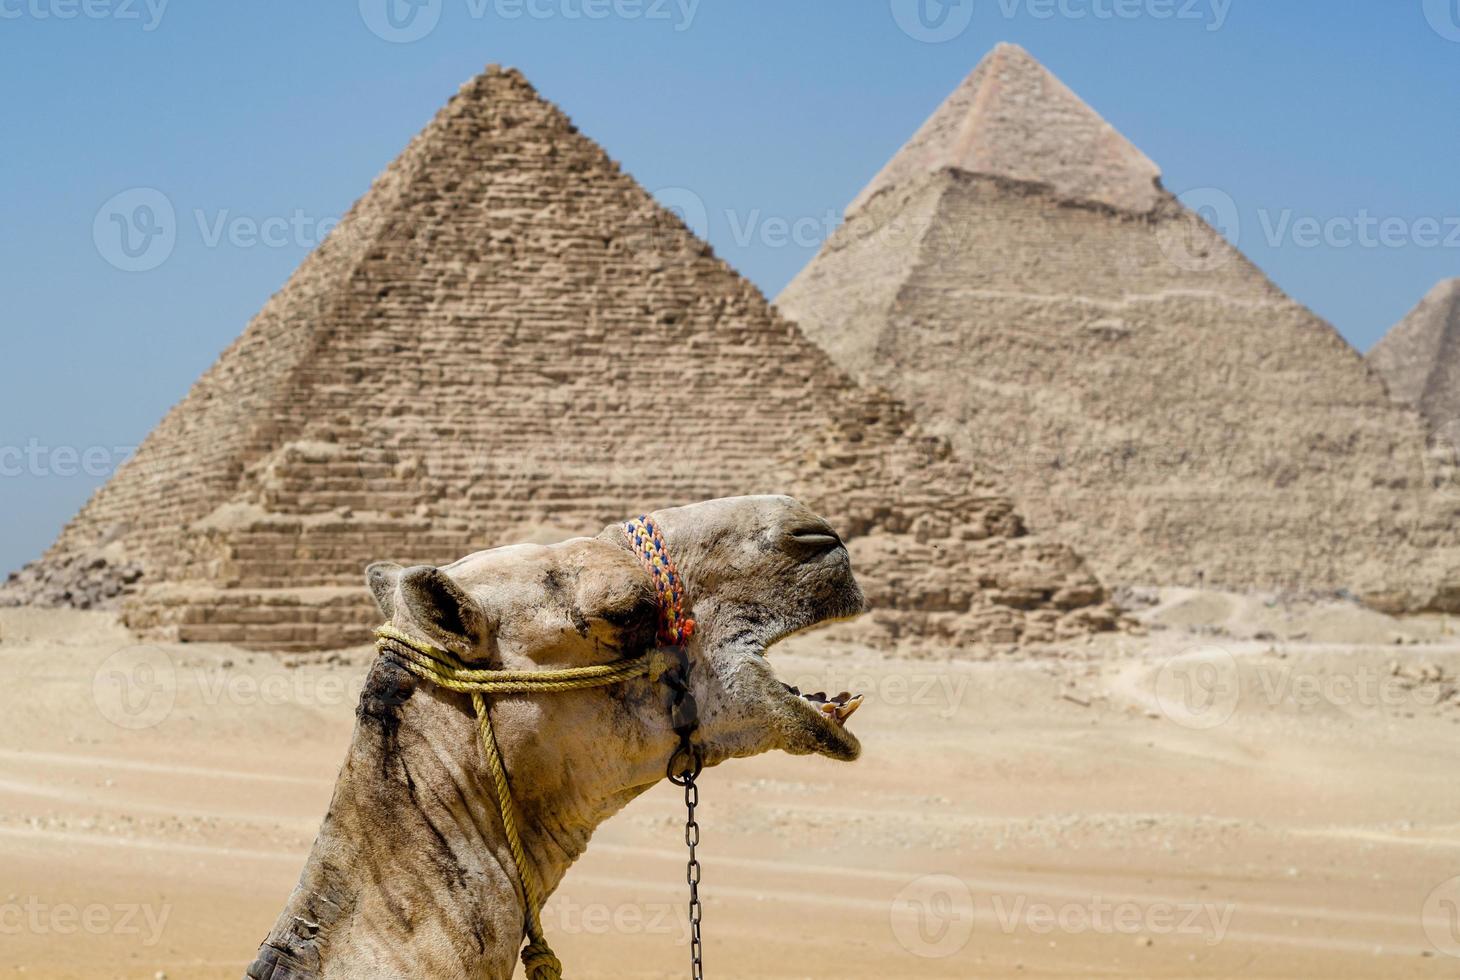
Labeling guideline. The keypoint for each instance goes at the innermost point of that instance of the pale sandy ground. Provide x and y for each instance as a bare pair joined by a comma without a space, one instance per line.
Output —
1201,801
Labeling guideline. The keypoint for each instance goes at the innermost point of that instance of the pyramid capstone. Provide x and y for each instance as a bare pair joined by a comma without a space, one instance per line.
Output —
1419,358
1012,118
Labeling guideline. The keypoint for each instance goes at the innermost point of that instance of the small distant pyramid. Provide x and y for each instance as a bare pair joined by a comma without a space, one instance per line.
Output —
1018,276
1419,357
1012,118
508,339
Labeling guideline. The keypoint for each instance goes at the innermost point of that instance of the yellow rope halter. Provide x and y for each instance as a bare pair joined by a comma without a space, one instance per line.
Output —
446,670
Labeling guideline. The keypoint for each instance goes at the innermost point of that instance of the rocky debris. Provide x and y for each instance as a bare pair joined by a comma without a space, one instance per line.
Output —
77,581
1130,598
1429,683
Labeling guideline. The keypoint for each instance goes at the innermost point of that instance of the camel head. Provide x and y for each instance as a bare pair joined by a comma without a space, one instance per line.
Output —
755,570
409,875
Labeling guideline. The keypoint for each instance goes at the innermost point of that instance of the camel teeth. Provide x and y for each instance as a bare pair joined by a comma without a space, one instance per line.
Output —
838,708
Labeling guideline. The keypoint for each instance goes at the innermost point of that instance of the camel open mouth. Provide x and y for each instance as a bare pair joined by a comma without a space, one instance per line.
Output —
813,722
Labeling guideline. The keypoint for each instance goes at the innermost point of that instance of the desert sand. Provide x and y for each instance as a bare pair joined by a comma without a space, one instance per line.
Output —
1237,786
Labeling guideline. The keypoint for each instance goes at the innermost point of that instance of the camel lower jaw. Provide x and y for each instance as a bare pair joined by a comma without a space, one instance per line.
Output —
810,724
818,724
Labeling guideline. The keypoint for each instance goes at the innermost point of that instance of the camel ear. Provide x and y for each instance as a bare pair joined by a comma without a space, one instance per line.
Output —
383,577
442,609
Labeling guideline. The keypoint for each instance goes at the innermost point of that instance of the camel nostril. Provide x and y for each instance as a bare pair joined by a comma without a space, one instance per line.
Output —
814,540
809,537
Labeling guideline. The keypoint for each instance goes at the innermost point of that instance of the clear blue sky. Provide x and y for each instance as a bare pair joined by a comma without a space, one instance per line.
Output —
762,109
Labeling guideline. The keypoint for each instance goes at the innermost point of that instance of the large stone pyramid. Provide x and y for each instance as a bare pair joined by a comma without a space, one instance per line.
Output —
508,339
1420,357
1018,276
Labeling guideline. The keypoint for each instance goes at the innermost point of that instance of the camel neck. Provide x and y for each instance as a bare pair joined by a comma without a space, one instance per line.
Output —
411,874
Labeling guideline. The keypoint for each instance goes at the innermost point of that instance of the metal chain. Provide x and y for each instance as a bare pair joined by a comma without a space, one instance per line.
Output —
692,875
685,763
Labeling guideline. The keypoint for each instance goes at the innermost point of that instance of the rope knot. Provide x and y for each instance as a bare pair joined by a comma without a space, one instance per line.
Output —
540,963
